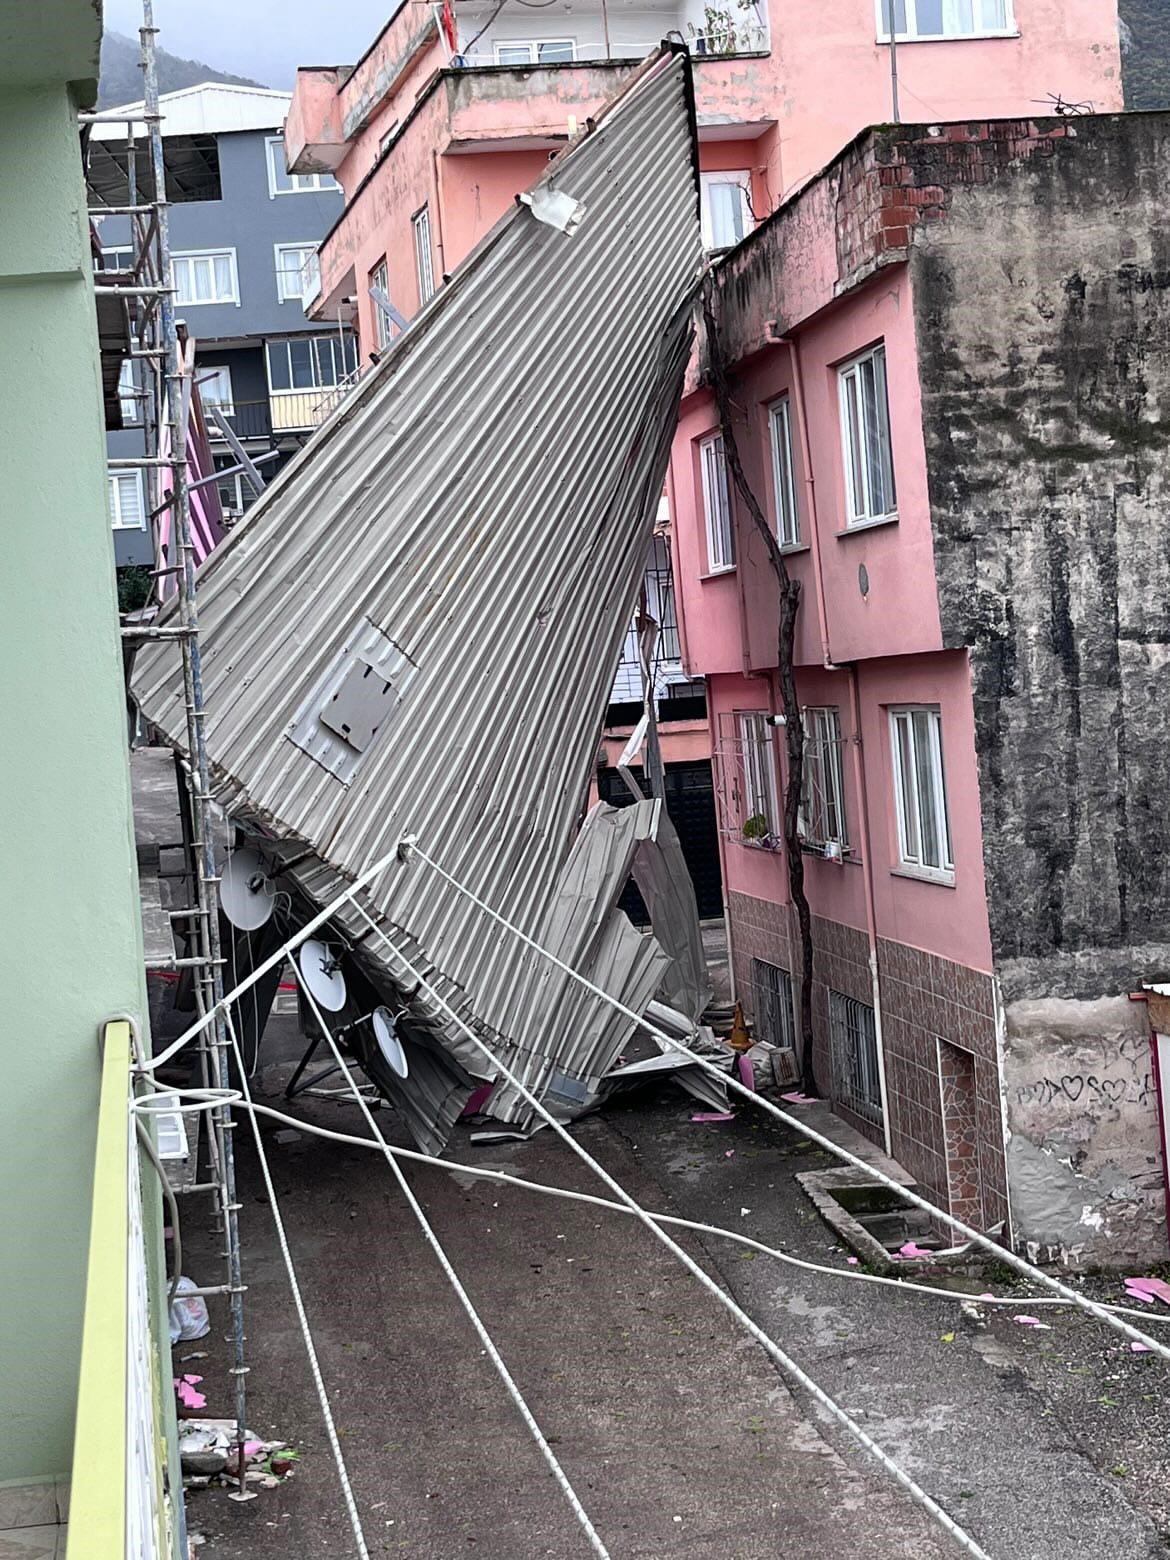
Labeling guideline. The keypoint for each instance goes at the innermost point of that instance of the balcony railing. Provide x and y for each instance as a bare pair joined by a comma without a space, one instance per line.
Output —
285,411
119,1508
727,30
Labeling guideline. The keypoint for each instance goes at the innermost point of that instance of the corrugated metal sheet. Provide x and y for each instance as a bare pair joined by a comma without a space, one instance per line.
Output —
415,629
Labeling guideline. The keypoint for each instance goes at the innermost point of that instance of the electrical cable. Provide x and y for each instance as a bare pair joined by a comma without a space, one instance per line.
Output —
310,1348
1001,1253
482,1172
467,47
463,1297
785,1361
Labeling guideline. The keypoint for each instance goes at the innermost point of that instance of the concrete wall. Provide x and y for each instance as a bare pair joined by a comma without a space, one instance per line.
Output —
69,919
1084,1150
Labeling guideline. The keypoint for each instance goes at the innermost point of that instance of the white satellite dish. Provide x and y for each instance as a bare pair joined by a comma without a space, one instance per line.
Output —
244,890
386,1034
321,972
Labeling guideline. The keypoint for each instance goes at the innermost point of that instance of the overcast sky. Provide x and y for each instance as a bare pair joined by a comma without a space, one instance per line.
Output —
264,39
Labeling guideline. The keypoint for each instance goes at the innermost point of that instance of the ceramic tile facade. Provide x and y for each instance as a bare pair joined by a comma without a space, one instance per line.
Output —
945,1122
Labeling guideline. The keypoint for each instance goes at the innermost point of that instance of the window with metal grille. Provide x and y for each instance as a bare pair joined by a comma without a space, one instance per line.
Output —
822,806
853,1044
774,1014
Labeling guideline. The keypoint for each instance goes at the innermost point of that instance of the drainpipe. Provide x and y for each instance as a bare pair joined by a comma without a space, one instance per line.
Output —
855,714
438,213
867,878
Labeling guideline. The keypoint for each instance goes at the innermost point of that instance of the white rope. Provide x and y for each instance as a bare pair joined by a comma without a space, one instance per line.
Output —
1001,1253
482,1172
355,1520
943,1518
463,1297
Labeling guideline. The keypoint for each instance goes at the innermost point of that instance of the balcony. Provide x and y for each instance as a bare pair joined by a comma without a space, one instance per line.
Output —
285,411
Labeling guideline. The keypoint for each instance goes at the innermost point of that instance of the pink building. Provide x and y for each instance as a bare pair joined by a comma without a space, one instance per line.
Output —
930,924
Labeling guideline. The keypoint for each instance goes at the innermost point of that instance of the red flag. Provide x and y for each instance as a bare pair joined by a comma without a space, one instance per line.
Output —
449,29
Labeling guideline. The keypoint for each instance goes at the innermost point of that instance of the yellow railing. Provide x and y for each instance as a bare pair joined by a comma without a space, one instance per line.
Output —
117,1508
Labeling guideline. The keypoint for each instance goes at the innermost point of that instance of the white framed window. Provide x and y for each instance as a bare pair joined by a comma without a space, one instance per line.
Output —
716,505
760,803
205,276
822,807
282,182
119,258
783,479
537,51
916,19
920,796
310,362
231,488
380,278
725,207
127,509
128,394
865,439
424,265
215,386
298,273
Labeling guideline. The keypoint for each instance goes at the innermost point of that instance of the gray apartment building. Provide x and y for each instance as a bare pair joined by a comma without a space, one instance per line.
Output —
244,234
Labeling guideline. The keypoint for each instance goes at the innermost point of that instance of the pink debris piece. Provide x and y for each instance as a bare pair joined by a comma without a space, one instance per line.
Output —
1147,1288
478,1100
1140,1348
714,1115
185,1387
1134,1293
912,1250
989,1296
747,1073
1032,1321
852,1261
797,1098
728,1152
252,1447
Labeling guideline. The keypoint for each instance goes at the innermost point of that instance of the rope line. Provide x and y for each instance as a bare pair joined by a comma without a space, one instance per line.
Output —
785,1361
463,1297
1001,1253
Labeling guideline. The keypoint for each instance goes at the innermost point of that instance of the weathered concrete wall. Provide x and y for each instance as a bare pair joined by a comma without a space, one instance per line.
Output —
1043,319
1083,1152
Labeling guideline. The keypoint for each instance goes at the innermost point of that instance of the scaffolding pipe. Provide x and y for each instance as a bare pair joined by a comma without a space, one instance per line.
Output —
205,925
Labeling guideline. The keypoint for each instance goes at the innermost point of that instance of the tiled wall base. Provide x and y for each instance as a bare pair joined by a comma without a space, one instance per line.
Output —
943,1103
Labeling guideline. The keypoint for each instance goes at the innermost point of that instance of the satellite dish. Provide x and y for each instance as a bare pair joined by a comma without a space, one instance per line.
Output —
244,890
386,1034
321,972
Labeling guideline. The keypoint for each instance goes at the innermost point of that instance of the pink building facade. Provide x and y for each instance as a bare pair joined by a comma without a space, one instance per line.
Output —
922,978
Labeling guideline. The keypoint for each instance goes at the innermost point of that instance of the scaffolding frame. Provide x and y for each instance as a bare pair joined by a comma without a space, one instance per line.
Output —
157,342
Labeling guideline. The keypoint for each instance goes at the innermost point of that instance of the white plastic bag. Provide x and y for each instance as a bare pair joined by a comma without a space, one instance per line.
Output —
189,1319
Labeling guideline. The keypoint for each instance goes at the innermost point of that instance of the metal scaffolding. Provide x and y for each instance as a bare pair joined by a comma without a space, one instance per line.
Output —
158,344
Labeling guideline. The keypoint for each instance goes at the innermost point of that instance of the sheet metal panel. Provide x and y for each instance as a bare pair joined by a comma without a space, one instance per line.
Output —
479,509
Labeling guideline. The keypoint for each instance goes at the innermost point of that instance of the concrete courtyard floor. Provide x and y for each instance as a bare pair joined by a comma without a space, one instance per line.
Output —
677,1431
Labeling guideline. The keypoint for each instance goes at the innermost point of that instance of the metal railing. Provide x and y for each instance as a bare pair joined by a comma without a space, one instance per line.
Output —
285,411
119,1509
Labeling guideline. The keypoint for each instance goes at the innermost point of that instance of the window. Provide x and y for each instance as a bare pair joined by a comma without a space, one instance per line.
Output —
120,258
760,802
787,517
853,1047
206,278
215,387
725,208
541,51
231,488
717,505
387,137
282,182
920,798
127,510
128,394
865,439
380,278
298,274
310,362
421,223
822,807
945,18
775,1021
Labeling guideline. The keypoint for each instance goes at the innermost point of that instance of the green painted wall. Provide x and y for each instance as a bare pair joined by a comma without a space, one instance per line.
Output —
69,927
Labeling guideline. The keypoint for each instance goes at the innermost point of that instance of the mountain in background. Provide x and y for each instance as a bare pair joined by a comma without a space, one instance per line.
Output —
1145,53
121,79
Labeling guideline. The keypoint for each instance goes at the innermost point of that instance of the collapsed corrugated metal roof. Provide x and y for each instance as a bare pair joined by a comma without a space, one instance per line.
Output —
416,628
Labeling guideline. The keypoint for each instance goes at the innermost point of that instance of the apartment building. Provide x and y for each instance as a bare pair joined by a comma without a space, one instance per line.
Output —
949,381
244,234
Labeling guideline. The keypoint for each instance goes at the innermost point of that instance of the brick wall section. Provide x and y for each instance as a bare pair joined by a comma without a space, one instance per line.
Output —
895,178
924,999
